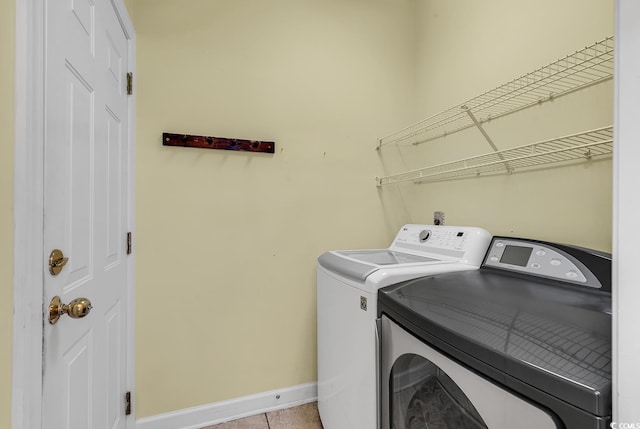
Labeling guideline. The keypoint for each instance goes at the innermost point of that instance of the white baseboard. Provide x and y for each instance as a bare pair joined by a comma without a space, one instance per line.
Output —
220,412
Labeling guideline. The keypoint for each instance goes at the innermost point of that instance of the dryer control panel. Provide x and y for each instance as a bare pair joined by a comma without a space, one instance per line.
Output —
538,259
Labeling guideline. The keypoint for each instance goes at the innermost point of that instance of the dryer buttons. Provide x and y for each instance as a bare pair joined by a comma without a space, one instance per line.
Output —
571,274
531,258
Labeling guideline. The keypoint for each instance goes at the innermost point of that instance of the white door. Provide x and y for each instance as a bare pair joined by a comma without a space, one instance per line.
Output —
85,213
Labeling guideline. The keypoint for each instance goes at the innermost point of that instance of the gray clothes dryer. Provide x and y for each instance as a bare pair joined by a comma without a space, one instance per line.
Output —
525,341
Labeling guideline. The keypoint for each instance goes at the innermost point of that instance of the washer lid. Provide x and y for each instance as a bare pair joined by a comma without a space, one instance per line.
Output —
360,264
384,257
555,338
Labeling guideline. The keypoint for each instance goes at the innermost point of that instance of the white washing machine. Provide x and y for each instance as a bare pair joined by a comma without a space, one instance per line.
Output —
347,284
523,342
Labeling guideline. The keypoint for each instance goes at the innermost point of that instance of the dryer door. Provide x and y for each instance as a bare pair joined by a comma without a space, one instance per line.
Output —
422,388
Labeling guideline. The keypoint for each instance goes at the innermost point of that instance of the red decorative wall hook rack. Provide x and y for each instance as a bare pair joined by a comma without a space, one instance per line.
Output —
222,143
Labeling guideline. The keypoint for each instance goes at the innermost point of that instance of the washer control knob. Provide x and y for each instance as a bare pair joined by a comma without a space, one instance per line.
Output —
424,235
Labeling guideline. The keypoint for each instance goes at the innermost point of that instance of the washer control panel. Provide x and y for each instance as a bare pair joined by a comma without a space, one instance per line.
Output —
433,236
460,243
537,259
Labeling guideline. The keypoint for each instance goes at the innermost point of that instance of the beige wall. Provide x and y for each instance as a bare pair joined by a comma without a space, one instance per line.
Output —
129,6
227,242
7,19
466,48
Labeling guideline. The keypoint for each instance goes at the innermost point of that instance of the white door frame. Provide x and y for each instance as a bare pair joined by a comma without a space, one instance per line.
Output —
626,215
28,212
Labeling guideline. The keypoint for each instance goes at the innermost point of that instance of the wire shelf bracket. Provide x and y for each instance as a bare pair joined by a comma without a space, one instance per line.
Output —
486,135
580,146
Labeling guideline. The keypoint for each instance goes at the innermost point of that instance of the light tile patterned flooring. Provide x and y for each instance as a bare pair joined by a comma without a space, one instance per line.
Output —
301,417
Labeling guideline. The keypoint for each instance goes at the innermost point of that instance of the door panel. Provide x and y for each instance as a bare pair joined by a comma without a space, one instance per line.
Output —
86,111
77,377
113,167
80,192
113,365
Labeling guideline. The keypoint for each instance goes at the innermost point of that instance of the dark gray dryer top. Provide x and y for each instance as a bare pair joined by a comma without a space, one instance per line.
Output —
555,338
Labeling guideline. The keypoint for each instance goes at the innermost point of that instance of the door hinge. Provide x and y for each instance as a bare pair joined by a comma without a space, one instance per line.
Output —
127,404
129,83
129,243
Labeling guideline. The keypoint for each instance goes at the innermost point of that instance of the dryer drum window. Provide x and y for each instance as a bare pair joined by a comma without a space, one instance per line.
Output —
424,396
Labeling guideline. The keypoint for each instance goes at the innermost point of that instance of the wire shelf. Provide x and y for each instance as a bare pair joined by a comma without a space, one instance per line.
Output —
589,66
585,145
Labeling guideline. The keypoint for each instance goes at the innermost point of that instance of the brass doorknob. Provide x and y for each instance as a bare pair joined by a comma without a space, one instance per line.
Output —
76,309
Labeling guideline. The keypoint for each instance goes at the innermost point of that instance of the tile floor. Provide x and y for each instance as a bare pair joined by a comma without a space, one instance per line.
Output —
300,417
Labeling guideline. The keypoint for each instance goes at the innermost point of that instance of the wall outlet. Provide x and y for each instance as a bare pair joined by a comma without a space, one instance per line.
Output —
438,218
